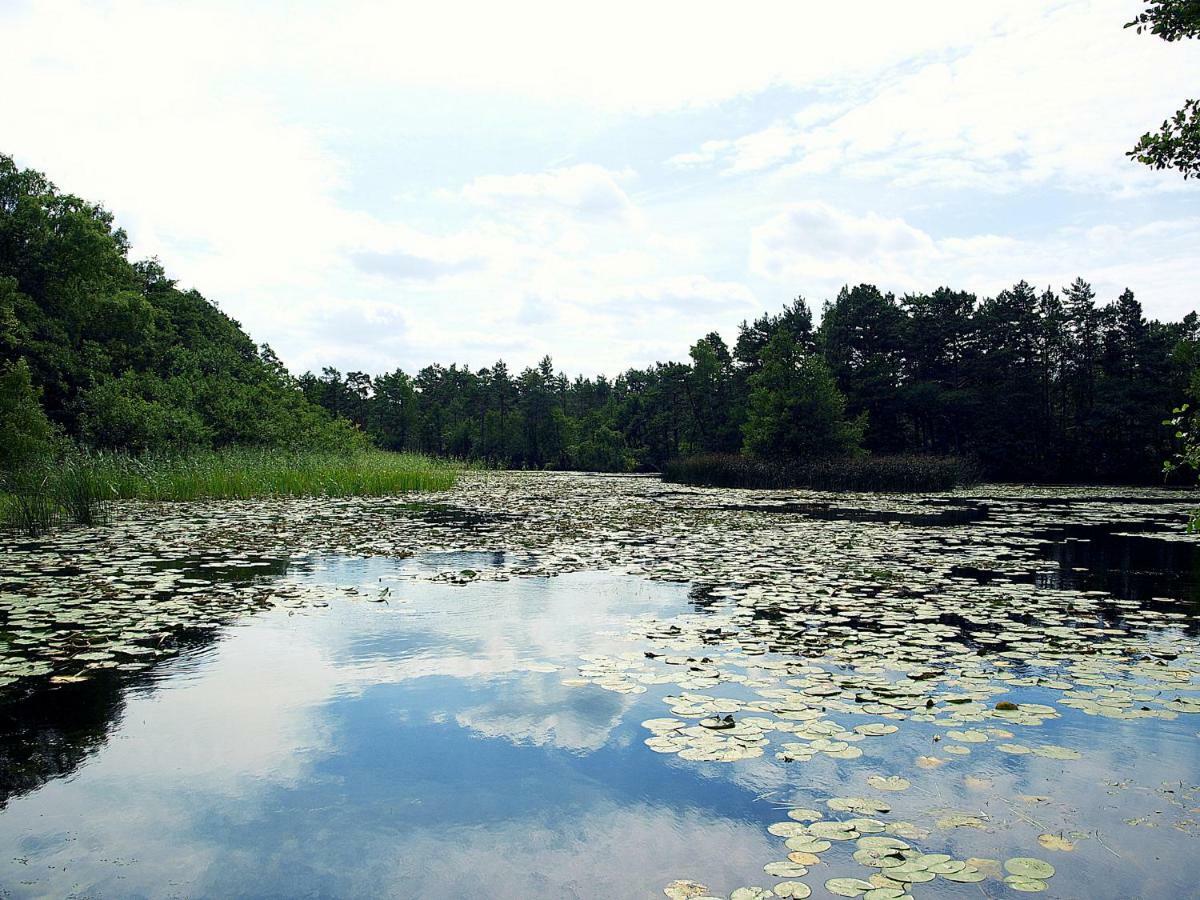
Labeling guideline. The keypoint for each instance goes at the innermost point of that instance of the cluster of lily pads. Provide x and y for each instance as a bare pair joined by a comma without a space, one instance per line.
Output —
812,637
899,868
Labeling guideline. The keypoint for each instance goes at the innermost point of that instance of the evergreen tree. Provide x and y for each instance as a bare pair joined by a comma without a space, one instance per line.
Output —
796,410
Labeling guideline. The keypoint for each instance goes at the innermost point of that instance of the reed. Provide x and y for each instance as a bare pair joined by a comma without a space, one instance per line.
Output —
859,473
81,487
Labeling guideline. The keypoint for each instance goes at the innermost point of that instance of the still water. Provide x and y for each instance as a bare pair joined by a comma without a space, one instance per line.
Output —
417,739
420,748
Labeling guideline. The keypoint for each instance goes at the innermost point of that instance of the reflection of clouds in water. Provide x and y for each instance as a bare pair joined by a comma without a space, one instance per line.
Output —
550,714
229,729
1116,859
267,682
246,714
605,851
210,746
496,628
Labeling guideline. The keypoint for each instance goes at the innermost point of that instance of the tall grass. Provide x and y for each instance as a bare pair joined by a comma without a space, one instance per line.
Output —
80,487
860,473
35,499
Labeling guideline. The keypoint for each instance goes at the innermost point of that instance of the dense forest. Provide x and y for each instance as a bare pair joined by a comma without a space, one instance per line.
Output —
107,354
1044,385
111,355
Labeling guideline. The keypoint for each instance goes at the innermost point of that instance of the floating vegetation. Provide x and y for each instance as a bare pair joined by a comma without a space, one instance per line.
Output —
795,653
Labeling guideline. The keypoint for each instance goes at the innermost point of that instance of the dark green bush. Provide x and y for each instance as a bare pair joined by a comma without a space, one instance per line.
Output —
26,435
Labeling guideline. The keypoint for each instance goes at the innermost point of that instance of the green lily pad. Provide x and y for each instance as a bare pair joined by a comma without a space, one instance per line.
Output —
1028,867
848,887
1025,885
794,890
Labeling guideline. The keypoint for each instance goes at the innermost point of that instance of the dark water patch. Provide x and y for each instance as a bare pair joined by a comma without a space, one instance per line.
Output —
928,513
223,569
1138,567
49,730
448,514
48,733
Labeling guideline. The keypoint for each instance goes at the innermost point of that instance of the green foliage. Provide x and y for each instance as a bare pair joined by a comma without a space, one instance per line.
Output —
249,473
1034,385
122,358
45,493
795,409
1187,454
602,450
1176,144
863,339
1170,20
26,435
81,487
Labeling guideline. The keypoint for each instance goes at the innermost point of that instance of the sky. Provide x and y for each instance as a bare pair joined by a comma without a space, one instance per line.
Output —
383,185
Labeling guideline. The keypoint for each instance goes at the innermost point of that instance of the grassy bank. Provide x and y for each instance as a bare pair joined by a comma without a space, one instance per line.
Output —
865,473
79,488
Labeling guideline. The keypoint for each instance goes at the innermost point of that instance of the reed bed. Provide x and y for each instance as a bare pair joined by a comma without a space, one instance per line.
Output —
80,488
858,473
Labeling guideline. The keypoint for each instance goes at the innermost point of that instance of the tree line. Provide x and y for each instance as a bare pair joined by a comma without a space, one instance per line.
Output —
104,353
1033,384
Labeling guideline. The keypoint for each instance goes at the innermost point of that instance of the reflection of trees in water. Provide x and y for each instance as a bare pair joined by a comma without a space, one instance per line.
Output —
1135,567
52,730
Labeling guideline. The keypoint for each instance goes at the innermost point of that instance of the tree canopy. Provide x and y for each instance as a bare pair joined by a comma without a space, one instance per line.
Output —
1176,144
1035,384
114,355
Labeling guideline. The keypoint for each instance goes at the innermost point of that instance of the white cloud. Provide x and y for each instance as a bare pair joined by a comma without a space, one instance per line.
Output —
1050,98
394,185
408,266
816,238
624,55
816,248
688,295
589,192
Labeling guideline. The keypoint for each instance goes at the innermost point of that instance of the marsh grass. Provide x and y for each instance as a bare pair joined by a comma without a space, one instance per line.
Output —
81,487
250,474
862,473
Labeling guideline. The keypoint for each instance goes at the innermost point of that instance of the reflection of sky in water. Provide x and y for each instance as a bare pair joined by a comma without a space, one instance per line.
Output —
427,747
421,748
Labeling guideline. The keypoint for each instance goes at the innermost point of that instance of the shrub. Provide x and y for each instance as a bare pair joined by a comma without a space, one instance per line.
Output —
26,435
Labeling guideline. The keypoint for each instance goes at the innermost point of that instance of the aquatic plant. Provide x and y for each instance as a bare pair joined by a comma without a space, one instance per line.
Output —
798,654
246,474
79,488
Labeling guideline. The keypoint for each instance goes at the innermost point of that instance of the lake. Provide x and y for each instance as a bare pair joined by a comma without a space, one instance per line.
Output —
543,685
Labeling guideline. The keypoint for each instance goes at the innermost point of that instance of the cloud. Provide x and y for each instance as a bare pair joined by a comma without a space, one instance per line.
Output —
404,266
392,187
679,54
550,714
683,294
588,191
815,236
1037,99
813,246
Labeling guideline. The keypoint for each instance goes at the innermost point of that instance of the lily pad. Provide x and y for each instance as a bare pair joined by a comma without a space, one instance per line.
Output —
848,887
1028,867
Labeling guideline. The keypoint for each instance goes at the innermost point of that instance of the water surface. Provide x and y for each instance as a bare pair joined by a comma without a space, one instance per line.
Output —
441,725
